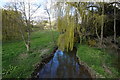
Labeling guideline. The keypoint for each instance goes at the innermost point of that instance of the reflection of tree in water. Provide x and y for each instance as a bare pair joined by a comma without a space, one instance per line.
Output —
67,66
63,65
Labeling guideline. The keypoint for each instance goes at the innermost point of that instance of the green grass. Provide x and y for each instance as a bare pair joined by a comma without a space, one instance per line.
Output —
95,58
0,59
17,63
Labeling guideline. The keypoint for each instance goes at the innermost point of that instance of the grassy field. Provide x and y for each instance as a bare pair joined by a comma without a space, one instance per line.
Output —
19,63
100,61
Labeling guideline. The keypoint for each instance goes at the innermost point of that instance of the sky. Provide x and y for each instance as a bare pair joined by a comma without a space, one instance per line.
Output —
40,14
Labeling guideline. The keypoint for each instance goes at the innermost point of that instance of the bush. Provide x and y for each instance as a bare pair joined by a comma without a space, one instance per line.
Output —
92,42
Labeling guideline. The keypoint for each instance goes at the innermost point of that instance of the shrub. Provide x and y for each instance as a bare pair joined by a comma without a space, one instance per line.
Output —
92,42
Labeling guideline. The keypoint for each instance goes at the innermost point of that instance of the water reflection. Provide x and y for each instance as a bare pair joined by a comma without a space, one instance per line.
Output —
63,65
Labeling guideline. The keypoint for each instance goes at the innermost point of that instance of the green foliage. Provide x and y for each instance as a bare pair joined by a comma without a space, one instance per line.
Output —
92,42
66,27
11,25
96,58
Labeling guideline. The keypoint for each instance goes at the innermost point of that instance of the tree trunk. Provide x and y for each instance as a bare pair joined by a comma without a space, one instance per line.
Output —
29,29
28,47
102,24
28,42
97,33
115,23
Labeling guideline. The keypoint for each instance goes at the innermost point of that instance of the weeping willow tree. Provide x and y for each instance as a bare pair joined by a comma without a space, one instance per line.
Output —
66,26
71,19
75,18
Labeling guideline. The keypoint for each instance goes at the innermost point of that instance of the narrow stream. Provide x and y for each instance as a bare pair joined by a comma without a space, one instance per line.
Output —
63,65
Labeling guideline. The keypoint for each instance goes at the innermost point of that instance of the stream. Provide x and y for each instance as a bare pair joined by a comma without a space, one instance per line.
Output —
63,65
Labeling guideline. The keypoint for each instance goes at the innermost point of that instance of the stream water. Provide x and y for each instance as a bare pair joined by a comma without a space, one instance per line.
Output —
63,65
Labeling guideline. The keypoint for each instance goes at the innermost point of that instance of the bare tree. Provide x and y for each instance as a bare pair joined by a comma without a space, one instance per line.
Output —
48,12
27,12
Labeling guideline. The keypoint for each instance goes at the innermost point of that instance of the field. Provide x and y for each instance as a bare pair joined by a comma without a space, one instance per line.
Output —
101,61
19,63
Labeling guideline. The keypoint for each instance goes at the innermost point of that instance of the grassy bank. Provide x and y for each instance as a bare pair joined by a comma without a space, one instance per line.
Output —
16,62
100,61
